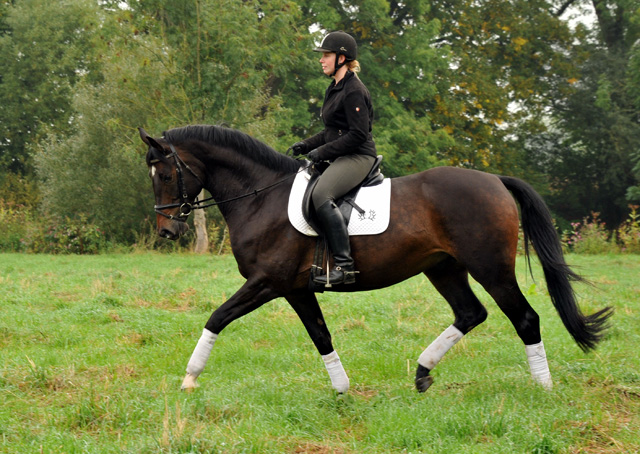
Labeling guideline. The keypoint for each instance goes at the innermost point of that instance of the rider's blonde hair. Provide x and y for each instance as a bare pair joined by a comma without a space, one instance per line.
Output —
353,66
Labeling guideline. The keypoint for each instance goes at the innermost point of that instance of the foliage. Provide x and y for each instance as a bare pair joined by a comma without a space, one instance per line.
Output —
159,74
97,170
72,236
14,222
595,132
589,237
47,47
504,58
22,230
592,237
628,233
507,87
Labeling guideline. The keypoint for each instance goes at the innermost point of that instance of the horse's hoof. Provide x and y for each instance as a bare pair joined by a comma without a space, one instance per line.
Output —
189,383
423,383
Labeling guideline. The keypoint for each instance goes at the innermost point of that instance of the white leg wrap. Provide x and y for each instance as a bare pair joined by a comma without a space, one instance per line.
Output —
201,353
339,379
538,364
439,347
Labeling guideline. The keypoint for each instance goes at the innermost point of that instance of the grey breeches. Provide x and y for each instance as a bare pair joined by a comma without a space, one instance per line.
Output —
344,174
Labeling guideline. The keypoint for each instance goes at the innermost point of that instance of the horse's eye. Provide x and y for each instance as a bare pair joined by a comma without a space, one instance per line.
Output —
166,178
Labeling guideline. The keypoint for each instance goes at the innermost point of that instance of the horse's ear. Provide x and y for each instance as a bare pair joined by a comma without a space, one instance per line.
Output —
143,135
146,138
156,152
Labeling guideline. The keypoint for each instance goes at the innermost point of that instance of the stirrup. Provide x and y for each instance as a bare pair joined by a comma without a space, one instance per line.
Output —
348,277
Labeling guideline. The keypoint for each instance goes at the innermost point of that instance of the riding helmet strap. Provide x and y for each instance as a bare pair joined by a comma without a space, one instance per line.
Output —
338,65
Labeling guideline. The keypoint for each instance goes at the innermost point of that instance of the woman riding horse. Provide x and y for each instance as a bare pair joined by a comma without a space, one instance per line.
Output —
346,142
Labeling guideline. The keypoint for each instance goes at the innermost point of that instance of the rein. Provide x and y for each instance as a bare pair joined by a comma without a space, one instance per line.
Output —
186,207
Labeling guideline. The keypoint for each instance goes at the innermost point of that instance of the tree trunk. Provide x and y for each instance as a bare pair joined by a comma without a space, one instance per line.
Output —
200,224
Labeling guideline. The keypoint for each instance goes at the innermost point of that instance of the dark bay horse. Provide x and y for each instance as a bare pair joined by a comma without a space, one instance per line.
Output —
447,223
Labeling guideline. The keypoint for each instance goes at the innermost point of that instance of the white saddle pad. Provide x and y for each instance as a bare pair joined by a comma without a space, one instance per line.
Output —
374,200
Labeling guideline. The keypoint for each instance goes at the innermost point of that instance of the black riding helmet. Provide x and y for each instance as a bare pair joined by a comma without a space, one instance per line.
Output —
342,44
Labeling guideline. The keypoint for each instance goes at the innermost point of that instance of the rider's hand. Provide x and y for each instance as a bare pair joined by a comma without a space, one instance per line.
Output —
314,155
299,148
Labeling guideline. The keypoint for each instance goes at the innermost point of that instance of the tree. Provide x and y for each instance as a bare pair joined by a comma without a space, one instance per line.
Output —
595,117
633,193
505,58
94,167
165,65
44,47
454,81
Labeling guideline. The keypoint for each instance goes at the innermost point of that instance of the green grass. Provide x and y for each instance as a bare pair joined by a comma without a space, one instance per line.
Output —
93,351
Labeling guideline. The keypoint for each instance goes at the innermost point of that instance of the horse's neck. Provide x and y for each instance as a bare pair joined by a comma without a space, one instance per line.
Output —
232,174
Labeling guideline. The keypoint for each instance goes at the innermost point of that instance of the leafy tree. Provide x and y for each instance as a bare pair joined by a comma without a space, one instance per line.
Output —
43,48
237,60
503,86
504,60
595,117
164,65
96,170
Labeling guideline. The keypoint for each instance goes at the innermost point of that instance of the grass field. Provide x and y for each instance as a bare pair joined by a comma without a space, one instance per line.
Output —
93,351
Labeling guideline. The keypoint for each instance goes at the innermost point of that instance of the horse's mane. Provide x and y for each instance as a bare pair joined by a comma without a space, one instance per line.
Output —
231,138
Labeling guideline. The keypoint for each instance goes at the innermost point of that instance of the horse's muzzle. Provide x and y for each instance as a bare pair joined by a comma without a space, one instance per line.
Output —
172,230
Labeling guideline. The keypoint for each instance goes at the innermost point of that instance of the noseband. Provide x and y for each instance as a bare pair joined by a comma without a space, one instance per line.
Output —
185,207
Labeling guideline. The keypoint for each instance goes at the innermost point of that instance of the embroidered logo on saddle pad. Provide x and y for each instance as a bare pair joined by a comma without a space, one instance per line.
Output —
374,200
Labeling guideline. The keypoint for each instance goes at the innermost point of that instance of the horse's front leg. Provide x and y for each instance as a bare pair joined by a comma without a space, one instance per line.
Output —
306,306
251,296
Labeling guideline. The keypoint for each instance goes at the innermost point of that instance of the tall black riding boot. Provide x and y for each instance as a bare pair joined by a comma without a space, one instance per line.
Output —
335,231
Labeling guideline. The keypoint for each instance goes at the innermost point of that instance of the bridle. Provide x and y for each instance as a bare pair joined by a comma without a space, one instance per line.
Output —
185,207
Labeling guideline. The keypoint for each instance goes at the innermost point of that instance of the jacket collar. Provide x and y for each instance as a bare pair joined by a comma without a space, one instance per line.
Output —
340,85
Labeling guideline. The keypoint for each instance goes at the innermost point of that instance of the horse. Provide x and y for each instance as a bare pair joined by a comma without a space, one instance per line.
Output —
448,223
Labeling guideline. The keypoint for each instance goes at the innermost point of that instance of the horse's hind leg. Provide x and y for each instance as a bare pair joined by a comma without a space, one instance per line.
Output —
525,320
451,280
306,306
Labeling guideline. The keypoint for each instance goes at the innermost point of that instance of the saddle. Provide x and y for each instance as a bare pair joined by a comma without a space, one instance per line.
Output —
346,203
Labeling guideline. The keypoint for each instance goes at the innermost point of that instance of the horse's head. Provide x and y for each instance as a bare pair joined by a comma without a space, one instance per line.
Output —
175,185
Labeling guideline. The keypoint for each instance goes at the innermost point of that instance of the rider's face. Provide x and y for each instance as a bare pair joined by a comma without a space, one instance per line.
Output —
328,62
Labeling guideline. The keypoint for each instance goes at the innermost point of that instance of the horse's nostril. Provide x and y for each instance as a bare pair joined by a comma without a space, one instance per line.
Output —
166,233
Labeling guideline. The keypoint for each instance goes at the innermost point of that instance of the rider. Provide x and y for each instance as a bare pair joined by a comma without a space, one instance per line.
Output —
346,142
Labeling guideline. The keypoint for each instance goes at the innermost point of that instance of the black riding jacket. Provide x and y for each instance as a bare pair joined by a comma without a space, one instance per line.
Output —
347,115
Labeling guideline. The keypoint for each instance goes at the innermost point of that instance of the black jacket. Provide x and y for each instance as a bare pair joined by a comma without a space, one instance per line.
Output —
347,115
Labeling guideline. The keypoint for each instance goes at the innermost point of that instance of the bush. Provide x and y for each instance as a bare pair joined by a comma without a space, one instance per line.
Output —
22,230
589,237
74,236
14,220
629,232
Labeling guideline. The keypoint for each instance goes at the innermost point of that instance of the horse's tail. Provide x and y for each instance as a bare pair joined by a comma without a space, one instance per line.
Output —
539,230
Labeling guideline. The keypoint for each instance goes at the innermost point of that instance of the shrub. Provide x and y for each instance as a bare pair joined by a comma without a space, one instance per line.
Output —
14,220
629,232
74,236
589,237
22,230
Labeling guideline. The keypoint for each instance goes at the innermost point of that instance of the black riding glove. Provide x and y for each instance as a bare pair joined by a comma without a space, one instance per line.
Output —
314,155
299,148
